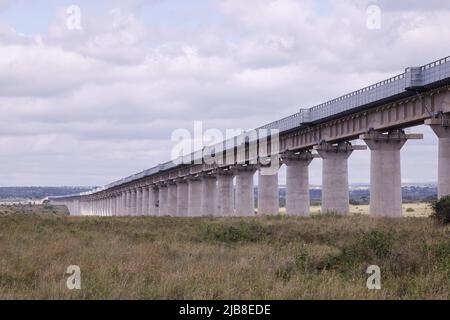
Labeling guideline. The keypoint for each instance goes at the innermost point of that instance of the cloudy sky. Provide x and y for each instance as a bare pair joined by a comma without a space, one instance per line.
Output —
89,106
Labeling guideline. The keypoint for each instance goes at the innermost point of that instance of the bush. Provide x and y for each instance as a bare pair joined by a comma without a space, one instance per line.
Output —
441,210
244,232
372,247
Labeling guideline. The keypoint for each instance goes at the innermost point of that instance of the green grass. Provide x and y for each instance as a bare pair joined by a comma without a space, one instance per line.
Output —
275,257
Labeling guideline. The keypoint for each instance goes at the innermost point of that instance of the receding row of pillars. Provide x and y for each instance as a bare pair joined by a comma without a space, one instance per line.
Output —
215,194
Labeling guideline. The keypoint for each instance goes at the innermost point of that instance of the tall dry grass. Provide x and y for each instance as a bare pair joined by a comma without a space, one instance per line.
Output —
278,257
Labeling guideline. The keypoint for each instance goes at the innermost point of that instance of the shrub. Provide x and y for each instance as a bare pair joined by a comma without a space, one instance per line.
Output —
441,210
234,233
368,248
410,210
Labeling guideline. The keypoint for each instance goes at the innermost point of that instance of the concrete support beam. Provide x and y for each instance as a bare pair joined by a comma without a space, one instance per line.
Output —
385,171
172,199
182,198
194,198
268,195
163,200
442,129
225,193
245,199
209,195
297,182
335,190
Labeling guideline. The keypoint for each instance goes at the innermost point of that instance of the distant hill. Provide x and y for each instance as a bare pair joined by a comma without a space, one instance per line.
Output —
358,194
38,192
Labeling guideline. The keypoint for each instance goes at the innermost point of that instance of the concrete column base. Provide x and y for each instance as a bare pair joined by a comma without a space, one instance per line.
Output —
172,199
442,129
209,195
225,194
153,200
245,199
133,206
297,183
194,197
163,200
182,198
268,195
145,199
138,210
385,171
128,203
335,190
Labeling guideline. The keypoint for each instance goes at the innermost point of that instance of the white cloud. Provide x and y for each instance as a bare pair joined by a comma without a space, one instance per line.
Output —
90,106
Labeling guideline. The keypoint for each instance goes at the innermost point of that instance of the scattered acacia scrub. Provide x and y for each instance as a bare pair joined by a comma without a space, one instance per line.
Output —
274,257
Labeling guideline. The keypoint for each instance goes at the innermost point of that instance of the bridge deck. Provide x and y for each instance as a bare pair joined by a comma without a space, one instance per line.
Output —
409,83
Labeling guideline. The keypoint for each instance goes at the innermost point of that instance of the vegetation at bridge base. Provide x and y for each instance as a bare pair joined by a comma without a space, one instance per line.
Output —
273,257
441,210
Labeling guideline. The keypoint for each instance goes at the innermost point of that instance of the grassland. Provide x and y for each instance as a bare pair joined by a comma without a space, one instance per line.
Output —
324,257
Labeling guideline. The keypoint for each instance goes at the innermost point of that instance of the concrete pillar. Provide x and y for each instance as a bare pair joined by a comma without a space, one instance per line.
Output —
385,171
225,193
120,207
110,206
105,207
114,205
335,190
145,200
297,182
153,200
442,130
209,195
172,199
245,199
117,198
127,207
133,202
268,195
138,210
163,199
123,201
194,197
182,198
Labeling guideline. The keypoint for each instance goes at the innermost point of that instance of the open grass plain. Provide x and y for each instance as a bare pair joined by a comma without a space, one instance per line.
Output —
273,257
